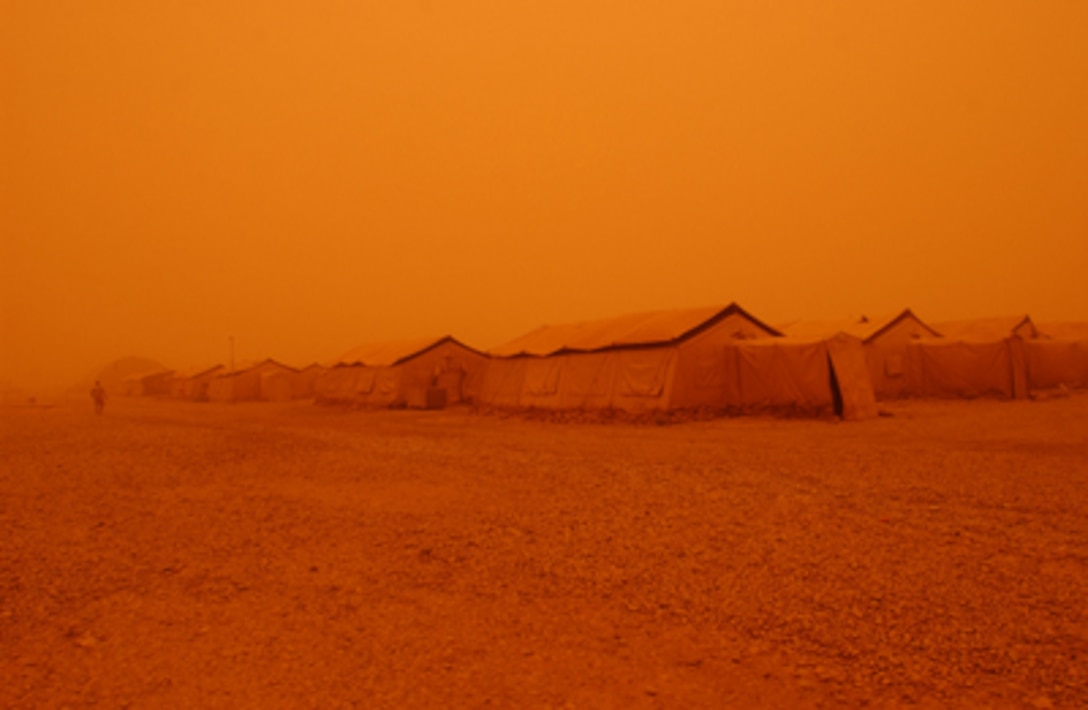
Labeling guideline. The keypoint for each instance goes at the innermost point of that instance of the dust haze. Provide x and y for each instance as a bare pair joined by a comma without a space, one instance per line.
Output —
543,354
307,178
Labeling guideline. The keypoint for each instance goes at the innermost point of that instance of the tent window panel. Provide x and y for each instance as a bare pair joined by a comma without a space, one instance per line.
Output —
643,374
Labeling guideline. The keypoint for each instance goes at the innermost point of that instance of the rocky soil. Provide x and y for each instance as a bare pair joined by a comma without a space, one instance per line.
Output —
192,555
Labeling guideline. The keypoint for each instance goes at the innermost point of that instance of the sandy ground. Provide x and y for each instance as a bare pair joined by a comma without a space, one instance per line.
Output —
192,555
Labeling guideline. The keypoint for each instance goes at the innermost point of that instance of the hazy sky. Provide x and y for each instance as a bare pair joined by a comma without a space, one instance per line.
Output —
306,176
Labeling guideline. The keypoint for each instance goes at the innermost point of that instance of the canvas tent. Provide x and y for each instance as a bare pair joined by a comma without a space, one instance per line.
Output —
1065,330
423,373
885,339
1059,357
147,384
305,379
988,329
984,357
663,360
804,375
967,368
193,383
244,384
113,375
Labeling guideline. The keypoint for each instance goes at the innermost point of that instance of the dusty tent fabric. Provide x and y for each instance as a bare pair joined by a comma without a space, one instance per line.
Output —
113,375
1064,330
885,339
988,329
192,384
278,386
851,374
965,368
147,384
1057,363
244,384
633,330
503,381
304,382
805,375
404,374
551,368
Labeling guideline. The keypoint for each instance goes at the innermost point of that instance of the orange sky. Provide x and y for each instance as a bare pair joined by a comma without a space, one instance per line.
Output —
306,176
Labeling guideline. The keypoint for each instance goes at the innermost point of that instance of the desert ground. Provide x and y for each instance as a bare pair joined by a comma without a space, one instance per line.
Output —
182,555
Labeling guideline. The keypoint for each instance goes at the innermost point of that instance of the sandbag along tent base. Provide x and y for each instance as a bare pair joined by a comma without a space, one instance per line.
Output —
421,374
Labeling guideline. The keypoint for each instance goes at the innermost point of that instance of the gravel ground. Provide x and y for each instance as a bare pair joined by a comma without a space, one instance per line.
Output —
192,555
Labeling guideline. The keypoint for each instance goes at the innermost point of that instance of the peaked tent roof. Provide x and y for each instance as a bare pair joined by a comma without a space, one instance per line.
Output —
1070,330
147,373
395,352
198,371
864,328
635,329
246,366
983,328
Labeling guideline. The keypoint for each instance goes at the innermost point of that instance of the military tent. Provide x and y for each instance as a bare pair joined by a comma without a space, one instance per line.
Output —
983,357
305,379
424,373
804,375
967,368
147,384
988,329
114,376
885,339
1057,363
1067,330
244,383
639,362
193,383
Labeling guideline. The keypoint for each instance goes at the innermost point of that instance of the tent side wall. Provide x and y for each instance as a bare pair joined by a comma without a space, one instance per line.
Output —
796,375
700,376
1057,363
886,356
278,386
304,382
503,380
449,367
777,375
962,368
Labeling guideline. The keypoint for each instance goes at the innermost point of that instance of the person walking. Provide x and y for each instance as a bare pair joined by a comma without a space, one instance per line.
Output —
98,394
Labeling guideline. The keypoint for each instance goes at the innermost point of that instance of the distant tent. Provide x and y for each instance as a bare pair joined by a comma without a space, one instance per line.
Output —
988,329
967,368
244,384
813,376
193,383
640,362
305,379
983,357
424,373
148,384
885,339
113,376
1057,363
1067,330
1059,357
